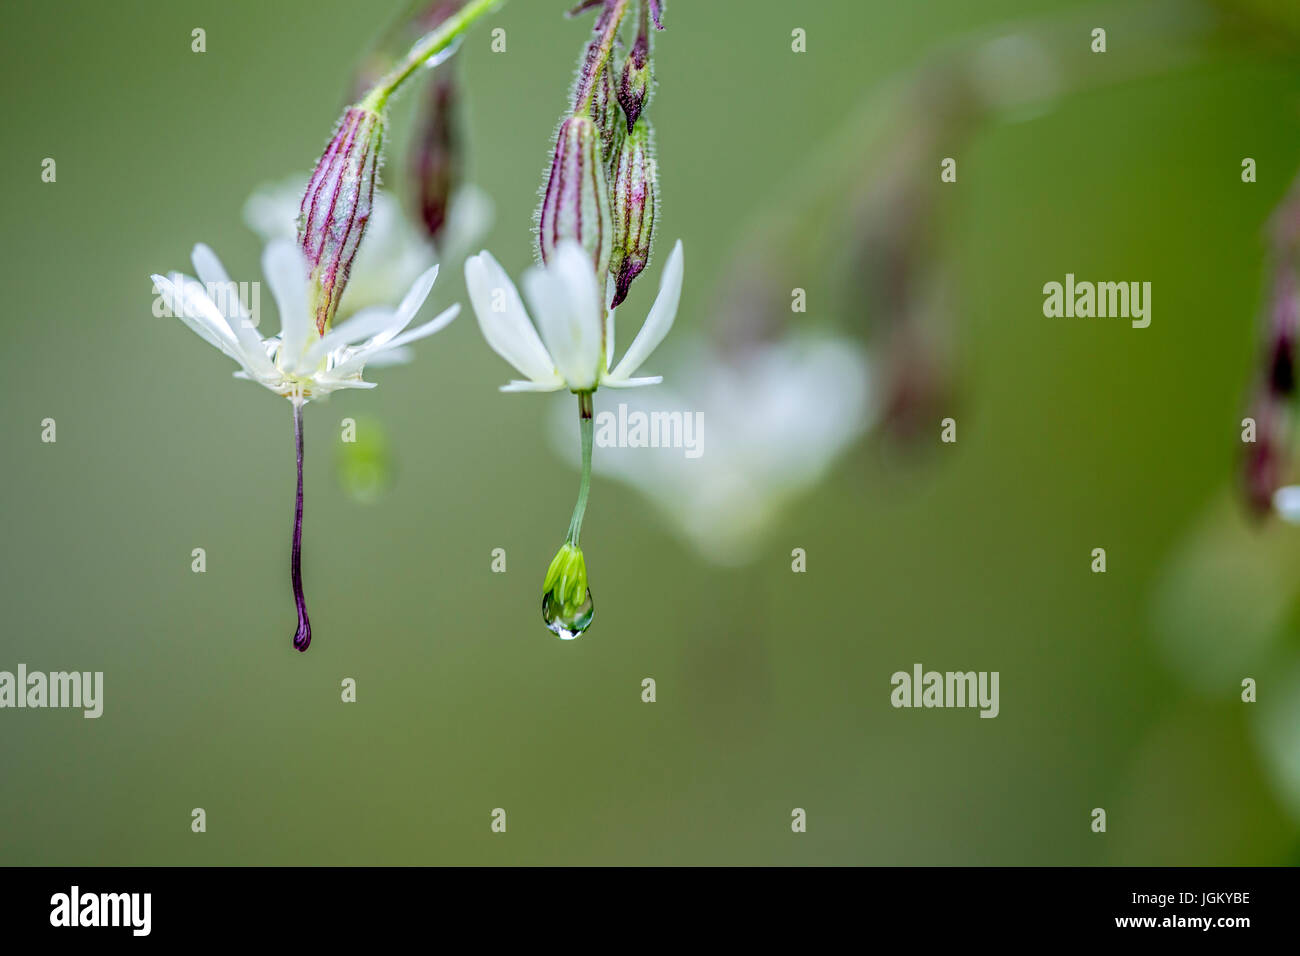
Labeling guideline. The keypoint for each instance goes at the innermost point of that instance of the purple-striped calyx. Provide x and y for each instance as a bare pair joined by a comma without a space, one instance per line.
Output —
633,196
336,207
634,85
606,115
436,157
576,204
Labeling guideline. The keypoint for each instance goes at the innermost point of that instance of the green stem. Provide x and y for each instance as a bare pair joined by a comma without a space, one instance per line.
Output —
585,426
429,46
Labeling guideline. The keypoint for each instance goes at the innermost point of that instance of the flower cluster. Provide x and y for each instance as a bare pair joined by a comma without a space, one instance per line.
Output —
595,225
309,274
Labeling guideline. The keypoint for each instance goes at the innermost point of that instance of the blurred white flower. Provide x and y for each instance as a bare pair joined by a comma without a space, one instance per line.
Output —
578,353
299,363
395,251
1286,502
775,418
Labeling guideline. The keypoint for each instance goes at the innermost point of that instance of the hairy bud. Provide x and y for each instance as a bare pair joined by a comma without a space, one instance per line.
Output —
634,86
336,207
634,195
605,114
576,204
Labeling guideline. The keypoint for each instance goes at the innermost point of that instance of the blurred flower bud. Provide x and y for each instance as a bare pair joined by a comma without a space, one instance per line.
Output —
1267,458
436,157
336,206
633,198
576,204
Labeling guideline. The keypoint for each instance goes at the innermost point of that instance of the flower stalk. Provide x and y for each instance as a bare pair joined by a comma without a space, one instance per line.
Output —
567,607
437,41
586,427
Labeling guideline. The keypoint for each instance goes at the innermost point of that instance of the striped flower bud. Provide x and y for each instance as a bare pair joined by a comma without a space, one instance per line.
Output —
576,204
634,195
336,207
634,86
605,114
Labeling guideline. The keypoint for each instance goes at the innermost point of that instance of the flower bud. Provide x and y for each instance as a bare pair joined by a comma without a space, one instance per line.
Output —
634,195
576,204
567,607
436,155
634,86
605,114
336,207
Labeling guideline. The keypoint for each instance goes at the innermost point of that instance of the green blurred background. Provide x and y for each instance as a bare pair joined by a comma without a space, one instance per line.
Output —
773,688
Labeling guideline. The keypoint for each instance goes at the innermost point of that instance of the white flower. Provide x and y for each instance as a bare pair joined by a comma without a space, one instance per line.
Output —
578,354
773,419
298,363
395,250
1286,502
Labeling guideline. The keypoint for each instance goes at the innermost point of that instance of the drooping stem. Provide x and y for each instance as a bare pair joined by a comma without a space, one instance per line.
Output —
585,427
301,637
433,43
598,53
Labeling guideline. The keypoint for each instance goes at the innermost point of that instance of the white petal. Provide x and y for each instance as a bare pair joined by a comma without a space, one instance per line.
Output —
632,382
188,302
366,324
1286,501
213,274
175,298
658,322
440,322
610,288
357,362
532,387
469,217
509,332
385,357
286,272
410,305
325,385
272,211
566,303
416,295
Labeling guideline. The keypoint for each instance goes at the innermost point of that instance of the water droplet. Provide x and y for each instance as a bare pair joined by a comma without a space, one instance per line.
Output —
567,628
445,54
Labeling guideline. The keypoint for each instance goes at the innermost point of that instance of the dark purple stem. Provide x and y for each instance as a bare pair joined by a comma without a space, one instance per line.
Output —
302,637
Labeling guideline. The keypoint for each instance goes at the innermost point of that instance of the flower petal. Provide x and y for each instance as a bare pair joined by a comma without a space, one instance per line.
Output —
286,272
385,357
368,323
610,288
416,295
213,274
358,361
509,331
437,324
632,382
188,302
657,323
532,387
566,303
